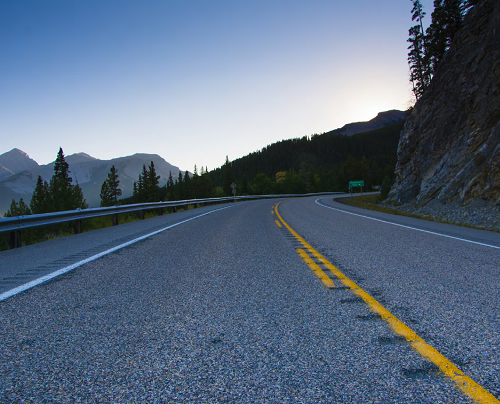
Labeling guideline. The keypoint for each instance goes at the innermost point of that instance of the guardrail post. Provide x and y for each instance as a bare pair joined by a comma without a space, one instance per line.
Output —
175,209
160,211
141,214
114,219
78,226
15,239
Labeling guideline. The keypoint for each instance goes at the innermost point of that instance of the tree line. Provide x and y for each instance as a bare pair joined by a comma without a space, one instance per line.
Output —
427,47
57,195
185,186
319,163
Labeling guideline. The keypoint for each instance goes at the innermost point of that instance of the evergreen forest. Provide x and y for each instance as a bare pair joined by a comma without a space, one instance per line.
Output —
318,163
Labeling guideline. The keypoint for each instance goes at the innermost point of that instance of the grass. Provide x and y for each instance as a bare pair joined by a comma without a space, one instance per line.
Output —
374,202
40,234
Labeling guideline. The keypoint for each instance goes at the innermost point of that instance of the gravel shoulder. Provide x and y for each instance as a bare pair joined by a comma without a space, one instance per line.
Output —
477,213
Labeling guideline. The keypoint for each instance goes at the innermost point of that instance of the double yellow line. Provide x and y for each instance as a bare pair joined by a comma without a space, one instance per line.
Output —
474,390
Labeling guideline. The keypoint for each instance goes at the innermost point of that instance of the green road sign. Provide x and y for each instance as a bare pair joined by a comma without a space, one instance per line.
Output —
356,184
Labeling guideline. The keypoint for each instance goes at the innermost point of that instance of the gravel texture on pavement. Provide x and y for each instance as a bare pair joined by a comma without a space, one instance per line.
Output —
222,309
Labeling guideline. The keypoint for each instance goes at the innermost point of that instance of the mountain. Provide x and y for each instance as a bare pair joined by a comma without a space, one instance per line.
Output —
382,120
86,170
15,161
449,151
376,140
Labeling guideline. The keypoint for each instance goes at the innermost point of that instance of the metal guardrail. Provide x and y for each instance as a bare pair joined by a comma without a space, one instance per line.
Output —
18,223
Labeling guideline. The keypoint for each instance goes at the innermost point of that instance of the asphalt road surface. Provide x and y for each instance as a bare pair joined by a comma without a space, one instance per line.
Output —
219,307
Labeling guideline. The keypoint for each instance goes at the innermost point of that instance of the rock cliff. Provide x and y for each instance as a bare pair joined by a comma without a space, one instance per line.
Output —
449,149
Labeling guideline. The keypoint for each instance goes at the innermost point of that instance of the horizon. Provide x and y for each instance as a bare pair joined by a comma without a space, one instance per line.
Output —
195,82
140,152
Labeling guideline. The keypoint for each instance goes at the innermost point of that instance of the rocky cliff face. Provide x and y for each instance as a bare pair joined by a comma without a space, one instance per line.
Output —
449,149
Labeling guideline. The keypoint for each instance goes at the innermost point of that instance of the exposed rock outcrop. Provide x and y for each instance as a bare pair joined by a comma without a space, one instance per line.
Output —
449,149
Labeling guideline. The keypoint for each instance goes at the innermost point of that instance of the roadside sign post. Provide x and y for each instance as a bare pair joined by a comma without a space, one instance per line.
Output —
360,184
233,187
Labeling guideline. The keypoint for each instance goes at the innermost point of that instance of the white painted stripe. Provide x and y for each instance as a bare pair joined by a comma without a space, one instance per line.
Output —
29,285
406,227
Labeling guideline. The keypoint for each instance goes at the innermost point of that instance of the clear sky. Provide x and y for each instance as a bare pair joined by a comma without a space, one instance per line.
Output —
194,80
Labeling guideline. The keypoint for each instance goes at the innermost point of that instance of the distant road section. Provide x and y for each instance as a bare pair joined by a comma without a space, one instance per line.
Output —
227,306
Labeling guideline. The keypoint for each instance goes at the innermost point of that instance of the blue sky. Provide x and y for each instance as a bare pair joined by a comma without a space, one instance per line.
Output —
194,80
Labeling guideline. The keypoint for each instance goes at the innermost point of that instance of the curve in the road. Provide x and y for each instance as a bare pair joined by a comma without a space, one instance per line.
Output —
406,227
472,389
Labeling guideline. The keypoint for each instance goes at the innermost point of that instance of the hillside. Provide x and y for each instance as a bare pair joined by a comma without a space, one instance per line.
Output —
383,119
449,152
335,158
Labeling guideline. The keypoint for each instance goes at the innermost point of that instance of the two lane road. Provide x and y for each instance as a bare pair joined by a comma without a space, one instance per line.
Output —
222,308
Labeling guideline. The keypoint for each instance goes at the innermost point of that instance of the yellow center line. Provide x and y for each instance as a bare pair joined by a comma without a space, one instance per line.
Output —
278,223
324,278
468,386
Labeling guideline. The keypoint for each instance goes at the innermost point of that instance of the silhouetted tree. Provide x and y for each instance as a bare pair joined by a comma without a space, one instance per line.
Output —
110,190
180,187
447,19
170,187
147,188
64,195
419,65
152,184
229,177
41,199
18,209
188,188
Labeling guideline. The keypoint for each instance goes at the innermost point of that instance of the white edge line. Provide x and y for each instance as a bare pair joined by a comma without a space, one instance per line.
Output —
52,275
406,227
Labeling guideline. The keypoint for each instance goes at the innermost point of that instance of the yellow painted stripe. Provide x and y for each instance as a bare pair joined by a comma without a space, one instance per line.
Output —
325,279
278,223
272,212
474,390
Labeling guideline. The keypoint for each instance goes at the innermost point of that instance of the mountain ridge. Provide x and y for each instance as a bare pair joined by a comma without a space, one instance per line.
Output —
15,161
383,119
88,172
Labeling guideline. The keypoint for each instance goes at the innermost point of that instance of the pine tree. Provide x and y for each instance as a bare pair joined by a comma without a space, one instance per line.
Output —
141,186
109,190
206,188
152,188
188,186
229,177
41,199
180,187
105,195
79,201
64,195
420,74
17,209
60,184
135,192
170,187
114,184
447,18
